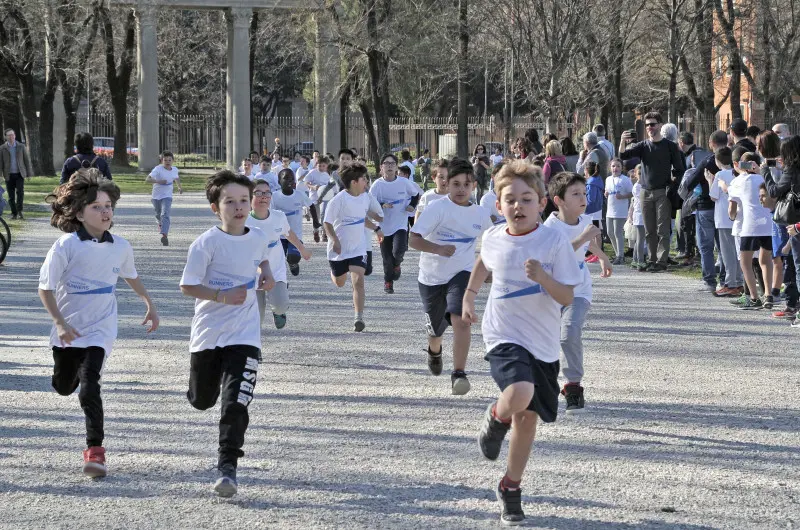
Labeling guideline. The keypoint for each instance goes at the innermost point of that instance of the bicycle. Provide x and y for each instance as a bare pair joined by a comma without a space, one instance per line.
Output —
5,239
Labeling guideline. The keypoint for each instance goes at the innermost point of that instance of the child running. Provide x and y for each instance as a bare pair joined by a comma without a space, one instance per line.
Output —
534,272
568,191
291,202
397,197
275,226
163,178
77,288
489,200
345,218
446,236
224,267
439,176
267,175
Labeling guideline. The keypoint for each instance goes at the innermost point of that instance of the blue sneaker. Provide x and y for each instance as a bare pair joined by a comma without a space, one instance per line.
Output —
226,486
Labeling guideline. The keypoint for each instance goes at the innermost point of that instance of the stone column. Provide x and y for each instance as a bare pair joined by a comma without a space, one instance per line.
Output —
147,55
238,101
327,113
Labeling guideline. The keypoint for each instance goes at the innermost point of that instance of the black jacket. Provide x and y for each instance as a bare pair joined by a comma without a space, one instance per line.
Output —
778,189
74,163
704,202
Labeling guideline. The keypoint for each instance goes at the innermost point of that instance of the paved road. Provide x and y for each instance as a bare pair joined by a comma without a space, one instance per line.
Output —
692,418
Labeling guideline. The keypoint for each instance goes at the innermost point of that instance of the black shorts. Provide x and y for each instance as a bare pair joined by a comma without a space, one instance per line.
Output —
441,301
511,363
753,243
342,267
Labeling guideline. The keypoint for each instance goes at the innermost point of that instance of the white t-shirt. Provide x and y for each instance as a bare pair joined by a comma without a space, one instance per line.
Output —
271,178
412,165
331,193
276,167
346,214
301,184
83,276
375,208
316,178
496,159
294,166
419,191
756,220
518,310
638,218
221,261
398,193
446,223
572,232
489,201
292,205
618,209
274,227
164,191
429,197
721,218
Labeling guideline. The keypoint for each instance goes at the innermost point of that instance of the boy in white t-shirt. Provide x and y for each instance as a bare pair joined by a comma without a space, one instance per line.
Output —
315,179
534,271
439,176
77,284
397,197
446,235
267,175
224,267
619,190
345,220
291,202
717,190
405,172
294,165
756,229
568,191
248,169
164,177
489,200
275,226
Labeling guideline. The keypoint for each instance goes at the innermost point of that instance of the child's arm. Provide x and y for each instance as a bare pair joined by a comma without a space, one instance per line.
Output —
66,333
605,262
588,234
417,242
732,210
151,315
294,240
476,279
561,293
265,280
233,296
337,245
178,182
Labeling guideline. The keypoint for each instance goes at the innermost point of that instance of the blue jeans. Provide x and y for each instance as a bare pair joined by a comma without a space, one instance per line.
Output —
162,208
705,242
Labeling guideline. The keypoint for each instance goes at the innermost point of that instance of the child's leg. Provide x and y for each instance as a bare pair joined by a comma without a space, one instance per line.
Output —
434,303
519,445
790,280
357,279
239,373
746,261
205,376
388,258
368,270
157,208
640,240
727,249
777,274
765,260
573,318
399,246
278,298
462,335
338,281
73,366
314,216
166,208
261,298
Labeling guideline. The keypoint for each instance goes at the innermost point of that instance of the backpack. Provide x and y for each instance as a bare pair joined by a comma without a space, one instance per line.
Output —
690,197
556,167
594,195
82,163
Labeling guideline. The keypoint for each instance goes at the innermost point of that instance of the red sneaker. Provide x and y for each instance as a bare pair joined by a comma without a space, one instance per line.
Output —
316,236
592,259
94,462
788,312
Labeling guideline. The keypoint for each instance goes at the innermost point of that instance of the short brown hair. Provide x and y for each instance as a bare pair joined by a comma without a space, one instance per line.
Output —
459,166
653,115
768,144
439,164
222,178
69,199
522,170
724,156
352,173
562,181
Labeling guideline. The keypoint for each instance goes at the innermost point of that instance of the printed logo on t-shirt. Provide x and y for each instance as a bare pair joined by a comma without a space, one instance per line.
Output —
349,221
515,289
454,236
79,285
272,244
224,280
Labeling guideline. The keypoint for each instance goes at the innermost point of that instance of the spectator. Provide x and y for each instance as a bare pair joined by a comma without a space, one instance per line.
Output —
600,131
782,130
739,133
533,137
593,152
554,161
84,158
15,165
570,153
752,133
662,162
481,165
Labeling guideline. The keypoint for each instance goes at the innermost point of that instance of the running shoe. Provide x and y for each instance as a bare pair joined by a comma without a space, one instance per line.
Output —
294,268
388,287
767,301
491,434
226,485
280,321
316,235
396,273
592,259
706,288
435,362
752,304
740,301
645,267
359,326
94,462
510,500
573,392
164,240
657,267
788,312
324,237
459,383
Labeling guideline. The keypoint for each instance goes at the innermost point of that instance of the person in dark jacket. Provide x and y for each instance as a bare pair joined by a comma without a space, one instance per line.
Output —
739,132
84,157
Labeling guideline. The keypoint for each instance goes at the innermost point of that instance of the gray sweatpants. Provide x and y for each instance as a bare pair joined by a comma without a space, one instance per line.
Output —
573,317
638,246
730,258
616,232
278,299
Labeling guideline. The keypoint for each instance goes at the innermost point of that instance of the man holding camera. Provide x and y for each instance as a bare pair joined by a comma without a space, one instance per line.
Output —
662,162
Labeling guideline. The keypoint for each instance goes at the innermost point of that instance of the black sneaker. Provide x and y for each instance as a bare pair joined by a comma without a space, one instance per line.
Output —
644,267
435,362
510,500
657,267
20,216
491,434
396,273
164,240
226,486
767,302
752,304
359,326
388,287
574,394
459,382
672,262
294,268
280,321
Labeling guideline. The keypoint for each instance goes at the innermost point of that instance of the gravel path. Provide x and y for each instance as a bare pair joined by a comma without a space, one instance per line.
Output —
691,419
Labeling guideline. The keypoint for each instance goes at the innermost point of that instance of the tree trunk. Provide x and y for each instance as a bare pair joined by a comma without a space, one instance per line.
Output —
378,65
119,79
30,123
369,128
462,137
